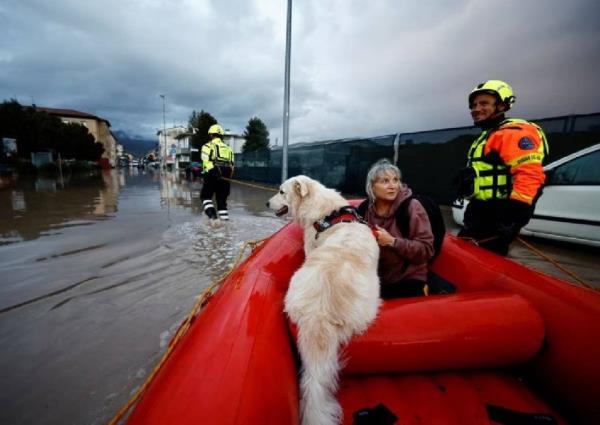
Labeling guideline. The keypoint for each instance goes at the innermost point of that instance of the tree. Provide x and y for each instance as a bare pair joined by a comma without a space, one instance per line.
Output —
35,130
200,123
77,142
257,136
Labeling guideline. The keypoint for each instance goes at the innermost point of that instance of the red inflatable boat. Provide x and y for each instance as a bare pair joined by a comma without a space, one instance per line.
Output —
510,346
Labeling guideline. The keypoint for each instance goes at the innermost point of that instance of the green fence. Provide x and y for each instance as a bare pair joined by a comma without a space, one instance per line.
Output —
429,160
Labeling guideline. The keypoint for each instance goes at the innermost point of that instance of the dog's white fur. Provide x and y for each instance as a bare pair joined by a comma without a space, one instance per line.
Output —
333,296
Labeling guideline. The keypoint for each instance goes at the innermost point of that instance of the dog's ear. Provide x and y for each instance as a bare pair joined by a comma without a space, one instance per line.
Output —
301,188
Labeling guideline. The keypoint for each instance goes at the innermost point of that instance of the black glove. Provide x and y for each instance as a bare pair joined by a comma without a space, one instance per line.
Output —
515,215
212,172
517,212
465,182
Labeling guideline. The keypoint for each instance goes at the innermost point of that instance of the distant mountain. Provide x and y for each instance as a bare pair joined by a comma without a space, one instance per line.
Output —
136,145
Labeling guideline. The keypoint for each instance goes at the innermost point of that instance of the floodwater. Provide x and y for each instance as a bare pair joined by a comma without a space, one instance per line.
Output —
95,279
97,273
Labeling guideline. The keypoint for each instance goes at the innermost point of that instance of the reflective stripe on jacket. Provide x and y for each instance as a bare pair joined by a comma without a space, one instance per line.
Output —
508,161
216,152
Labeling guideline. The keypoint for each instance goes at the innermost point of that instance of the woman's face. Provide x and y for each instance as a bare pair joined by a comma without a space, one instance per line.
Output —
386,186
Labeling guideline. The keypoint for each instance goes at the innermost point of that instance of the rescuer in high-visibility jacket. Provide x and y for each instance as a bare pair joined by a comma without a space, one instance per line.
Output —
217,167
504,174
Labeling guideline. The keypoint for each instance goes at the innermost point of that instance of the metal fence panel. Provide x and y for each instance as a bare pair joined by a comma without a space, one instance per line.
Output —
429,160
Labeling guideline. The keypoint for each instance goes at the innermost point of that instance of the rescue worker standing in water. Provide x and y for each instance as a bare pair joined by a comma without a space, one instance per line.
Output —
504,174
217,167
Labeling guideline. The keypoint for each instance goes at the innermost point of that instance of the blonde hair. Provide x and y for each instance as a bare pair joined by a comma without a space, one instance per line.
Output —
383,166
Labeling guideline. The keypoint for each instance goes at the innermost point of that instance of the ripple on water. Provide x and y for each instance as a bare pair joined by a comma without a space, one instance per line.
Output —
214,249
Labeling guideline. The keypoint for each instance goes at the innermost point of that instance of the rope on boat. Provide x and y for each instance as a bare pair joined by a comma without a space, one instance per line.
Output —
271,189
203,298
556,264
538,252
476,242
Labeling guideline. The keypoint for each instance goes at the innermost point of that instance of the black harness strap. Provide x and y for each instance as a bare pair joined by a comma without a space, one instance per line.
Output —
378,415
505,416
345,214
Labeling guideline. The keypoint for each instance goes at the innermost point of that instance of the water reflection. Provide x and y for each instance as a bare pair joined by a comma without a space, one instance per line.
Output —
175,190
96,276
34,206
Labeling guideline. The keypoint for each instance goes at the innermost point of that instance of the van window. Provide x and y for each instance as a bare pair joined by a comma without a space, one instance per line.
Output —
584,170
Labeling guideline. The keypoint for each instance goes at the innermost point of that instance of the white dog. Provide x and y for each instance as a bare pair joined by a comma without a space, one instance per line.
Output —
333,296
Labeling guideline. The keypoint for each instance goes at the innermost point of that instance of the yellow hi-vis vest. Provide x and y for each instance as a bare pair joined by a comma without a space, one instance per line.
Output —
493,177
216,152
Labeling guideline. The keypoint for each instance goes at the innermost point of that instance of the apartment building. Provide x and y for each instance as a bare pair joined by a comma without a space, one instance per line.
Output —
98,127
174,147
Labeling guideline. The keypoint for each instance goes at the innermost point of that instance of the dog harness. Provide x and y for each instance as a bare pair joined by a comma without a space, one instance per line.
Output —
346,214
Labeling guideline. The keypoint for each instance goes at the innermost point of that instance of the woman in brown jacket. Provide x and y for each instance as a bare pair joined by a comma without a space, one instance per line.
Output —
403,258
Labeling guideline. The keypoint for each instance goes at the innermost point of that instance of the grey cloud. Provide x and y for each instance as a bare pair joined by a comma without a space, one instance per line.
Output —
359,67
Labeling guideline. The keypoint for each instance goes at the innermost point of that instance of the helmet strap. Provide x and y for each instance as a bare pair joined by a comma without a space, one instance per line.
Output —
501,103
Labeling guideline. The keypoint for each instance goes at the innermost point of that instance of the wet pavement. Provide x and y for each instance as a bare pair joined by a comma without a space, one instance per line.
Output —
97,273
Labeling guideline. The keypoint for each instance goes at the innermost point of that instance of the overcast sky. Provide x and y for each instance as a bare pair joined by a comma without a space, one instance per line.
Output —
359,67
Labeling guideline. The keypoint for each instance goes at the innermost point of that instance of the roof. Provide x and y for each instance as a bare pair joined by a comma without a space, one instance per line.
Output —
183,135
69,113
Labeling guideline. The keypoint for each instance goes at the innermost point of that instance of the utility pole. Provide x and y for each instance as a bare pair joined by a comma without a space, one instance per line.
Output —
164,153
286,94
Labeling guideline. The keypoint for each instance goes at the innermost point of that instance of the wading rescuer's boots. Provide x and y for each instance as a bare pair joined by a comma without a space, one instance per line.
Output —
209,209
213,219
211,213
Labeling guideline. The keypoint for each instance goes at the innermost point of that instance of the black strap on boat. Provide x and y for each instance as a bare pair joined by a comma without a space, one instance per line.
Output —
378,415
343,215
505,416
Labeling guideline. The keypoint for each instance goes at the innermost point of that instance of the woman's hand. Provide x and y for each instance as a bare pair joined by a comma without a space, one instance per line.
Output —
384,238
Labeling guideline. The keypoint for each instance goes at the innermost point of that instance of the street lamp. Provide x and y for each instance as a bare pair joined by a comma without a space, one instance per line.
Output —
164,149
286,94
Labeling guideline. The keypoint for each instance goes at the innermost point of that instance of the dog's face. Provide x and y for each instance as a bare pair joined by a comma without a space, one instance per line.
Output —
291,194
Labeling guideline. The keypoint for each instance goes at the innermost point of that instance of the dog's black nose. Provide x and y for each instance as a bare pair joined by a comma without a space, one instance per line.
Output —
267,204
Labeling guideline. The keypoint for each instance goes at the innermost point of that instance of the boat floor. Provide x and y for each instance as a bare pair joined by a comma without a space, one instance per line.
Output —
452,398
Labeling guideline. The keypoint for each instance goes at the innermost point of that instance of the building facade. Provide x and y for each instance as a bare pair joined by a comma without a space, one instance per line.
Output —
176,151
235,141
183,154
98,127
171,142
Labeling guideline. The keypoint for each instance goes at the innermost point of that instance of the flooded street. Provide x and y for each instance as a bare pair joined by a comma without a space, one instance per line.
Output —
96,277
97,274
